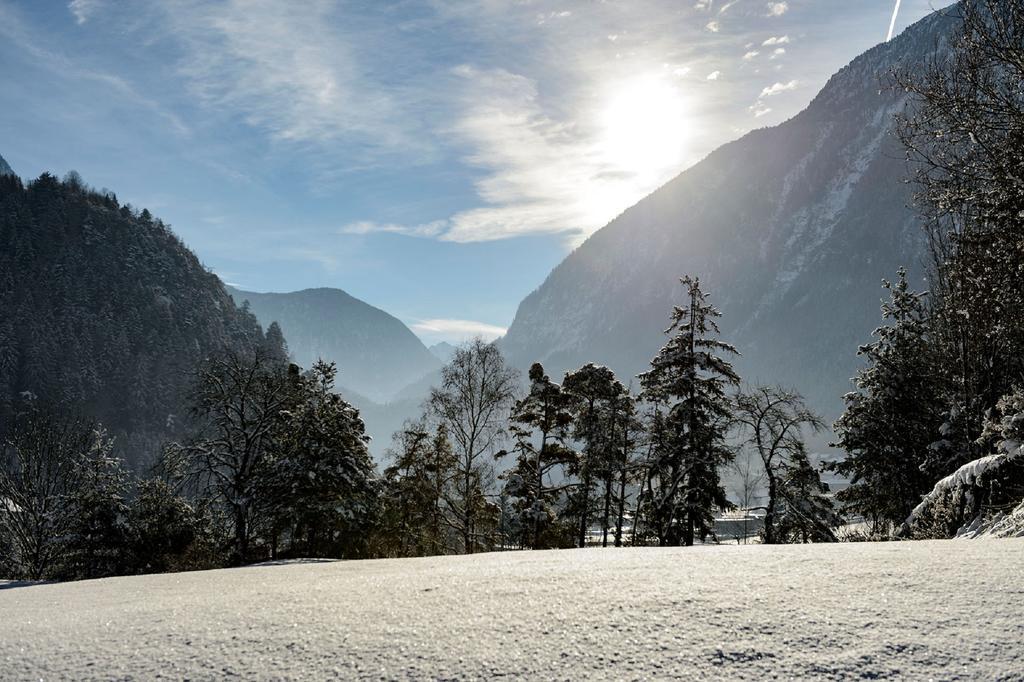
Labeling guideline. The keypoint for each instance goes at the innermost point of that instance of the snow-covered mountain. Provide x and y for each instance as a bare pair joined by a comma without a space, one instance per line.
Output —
790,228
376,354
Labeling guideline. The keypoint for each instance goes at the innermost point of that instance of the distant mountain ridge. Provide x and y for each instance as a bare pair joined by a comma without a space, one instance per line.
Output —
790,228
5,168
376,354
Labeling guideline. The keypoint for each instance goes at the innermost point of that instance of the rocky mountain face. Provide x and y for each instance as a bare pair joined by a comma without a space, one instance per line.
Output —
5,168
376,354
790,228
105,313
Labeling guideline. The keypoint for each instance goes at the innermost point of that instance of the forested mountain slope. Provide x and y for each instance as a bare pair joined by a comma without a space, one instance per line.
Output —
105,312
376,354
790,228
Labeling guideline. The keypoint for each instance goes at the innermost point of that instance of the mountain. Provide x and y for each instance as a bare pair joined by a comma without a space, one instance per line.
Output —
5,168
443,351
790,228
104,312
376,354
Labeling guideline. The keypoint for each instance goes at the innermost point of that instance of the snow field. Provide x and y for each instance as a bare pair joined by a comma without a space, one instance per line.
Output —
919,610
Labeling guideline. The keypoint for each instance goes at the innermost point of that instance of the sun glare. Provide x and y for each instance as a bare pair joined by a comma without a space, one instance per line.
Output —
644,126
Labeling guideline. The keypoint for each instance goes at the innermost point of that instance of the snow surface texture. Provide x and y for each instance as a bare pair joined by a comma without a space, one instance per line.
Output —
918,610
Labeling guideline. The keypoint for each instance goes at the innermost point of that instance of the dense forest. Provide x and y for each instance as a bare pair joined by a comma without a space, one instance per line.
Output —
262,459
105,312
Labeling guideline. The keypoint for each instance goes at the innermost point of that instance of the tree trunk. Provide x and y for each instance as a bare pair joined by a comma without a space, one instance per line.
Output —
585,509
769,513
622,507
607,510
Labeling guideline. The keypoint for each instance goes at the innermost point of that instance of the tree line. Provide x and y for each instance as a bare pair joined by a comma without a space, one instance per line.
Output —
933,430
276,463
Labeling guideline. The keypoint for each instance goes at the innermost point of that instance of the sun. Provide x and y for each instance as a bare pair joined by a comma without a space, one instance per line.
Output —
644,126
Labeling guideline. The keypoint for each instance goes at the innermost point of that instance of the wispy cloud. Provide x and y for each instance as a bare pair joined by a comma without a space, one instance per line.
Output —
431,229
779,88
83,10
459,330
777,9
292,74
776,40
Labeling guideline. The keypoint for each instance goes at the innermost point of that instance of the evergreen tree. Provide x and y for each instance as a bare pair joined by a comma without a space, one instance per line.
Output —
322,478
690,376
415,485
542,420
964,135
165,531
96,540
893,417
591,386
805,512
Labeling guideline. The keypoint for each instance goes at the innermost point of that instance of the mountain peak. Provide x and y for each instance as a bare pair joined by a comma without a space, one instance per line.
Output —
376,354
5,168
791,228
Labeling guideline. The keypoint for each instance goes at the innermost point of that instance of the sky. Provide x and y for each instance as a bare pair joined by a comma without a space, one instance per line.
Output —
433,158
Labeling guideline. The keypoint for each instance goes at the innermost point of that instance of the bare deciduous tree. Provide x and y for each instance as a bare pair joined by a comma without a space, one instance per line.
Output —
476,392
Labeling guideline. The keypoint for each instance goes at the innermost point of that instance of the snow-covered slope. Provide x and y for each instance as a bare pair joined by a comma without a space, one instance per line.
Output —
790,228
913,610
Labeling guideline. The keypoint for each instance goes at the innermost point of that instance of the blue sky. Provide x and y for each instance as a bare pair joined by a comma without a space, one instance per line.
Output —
434,158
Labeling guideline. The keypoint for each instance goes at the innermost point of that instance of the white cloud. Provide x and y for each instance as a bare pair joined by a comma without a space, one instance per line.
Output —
759,109
459,330
777,9
750,55
714,75
431,229
713,26
776,40
542,174
293,75
84,9
778,88
778,52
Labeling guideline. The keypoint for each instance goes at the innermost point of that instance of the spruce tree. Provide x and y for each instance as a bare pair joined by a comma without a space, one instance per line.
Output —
690,376
893,418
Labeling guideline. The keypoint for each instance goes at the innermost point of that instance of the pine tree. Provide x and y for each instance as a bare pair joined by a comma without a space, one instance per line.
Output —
690,376
542,421
894,416
591,386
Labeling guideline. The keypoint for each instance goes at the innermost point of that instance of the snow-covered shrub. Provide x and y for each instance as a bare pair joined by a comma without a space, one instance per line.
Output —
983,487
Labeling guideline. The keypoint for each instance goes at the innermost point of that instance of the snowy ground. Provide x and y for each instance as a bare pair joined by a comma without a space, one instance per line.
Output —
941,610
